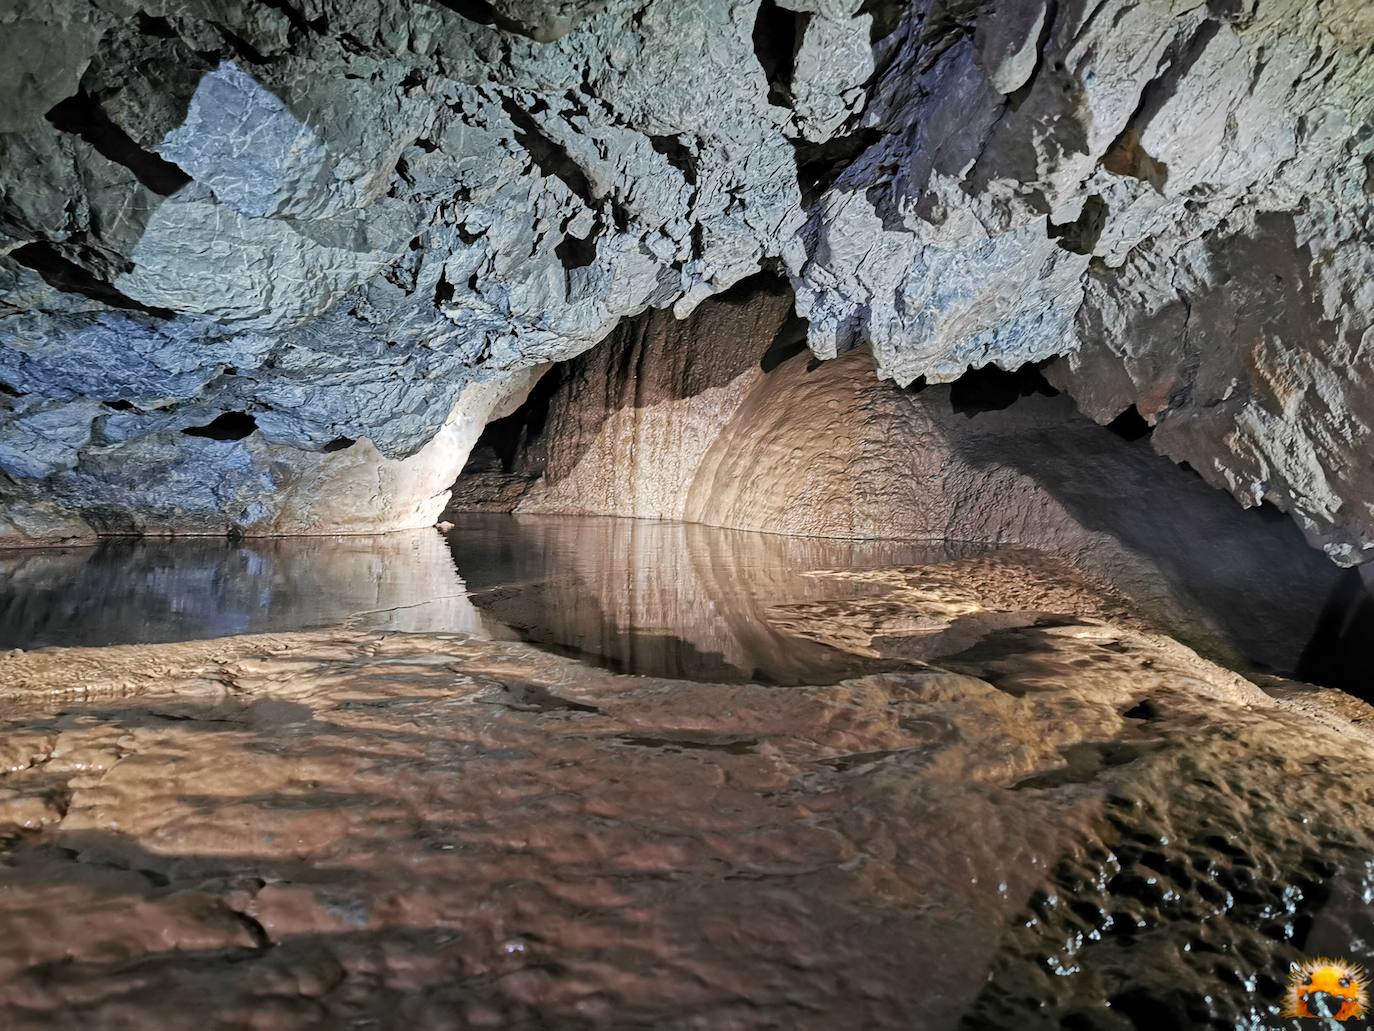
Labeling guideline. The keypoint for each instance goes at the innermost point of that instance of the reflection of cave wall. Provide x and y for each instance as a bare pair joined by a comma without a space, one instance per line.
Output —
666,599
723,419
140,590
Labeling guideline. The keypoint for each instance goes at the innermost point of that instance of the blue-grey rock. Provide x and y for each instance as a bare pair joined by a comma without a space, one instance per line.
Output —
324,221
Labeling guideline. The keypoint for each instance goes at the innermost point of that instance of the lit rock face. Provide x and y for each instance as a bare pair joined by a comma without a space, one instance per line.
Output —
1177,203
633,420
333,216
647,426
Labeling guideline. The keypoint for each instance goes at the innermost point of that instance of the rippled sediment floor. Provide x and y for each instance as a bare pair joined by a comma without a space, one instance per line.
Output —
1029,817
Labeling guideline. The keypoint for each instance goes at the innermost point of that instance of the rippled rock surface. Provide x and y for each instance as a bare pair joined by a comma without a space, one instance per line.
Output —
1039,819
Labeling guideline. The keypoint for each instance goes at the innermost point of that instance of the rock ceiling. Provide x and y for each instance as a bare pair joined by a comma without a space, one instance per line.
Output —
258,256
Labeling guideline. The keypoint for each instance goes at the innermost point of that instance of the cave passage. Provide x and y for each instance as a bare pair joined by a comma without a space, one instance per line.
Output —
730,514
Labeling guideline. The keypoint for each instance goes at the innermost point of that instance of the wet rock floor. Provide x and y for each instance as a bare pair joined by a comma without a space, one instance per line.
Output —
1022,816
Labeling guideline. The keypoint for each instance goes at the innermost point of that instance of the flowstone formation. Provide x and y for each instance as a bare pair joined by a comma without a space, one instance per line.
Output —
726,420
256,258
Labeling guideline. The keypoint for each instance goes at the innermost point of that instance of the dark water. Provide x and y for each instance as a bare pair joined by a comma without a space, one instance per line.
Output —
661,599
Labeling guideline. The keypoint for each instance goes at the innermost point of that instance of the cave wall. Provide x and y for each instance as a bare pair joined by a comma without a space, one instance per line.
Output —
634,419
332,217
727,420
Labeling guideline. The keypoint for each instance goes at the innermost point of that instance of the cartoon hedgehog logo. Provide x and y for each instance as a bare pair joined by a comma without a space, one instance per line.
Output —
1331,989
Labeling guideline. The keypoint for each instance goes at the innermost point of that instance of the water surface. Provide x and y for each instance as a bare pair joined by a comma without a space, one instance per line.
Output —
661,599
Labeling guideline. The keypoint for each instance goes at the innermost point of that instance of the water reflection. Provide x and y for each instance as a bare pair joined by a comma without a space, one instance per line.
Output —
127,591
665,599
661,599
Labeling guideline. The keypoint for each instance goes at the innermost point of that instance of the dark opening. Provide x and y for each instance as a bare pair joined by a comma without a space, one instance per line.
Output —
66,275
1142,710
1339,653
778,34
1081,235
443,291
990,389
679,155
819,165
338,444
503,440
916,385
83,116
9,391
576,252
154,25
788,342
1130,425
119,405
228,426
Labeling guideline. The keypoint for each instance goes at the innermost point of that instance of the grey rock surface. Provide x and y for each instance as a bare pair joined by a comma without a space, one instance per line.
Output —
321,221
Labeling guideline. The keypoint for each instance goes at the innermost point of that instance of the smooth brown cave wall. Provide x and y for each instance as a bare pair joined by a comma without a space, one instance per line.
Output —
725,419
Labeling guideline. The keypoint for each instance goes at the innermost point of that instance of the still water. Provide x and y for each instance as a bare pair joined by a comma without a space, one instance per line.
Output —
659,599
1036,820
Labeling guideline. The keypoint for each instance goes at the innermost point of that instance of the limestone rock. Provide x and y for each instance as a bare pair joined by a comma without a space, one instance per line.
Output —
634,419
333,216
27,524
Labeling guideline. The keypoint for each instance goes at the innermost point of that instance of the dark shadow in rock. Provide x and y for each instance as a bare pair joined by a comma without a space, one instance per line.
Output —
527,697
788,342
679,155
1142,710
819,165
1081,235
778,34
1250,572
61,273
82,115
1084,762
1341,651
992,388
226,426
1130,425
733,746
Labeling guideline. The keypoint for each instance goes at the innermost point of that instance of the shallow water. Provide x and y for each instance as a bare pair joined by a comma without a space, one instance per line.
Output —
1055,824
658,599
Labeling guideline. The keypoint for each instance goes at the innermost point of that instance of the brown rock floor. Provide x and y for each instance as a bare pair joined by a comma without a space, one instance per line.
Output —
1040,820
